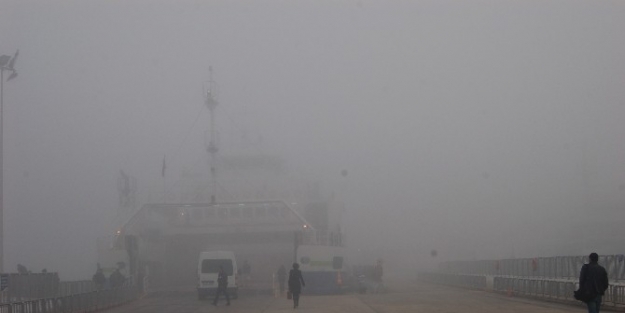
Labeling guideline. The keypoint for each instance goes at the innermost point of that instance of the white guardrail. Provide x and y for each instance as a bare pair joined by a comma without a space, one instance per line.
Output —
542,288
558,267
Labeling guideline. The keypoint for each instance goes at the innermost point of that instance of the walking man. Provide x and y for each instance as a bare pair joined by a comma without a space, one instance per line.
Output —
116,279
296,281
222,286
593,279
98,278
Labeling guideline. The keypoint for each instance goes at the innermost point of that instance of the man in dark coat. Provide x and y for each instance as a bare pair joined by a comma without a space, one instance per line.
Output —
116,279
222,286
296,281
593,278
99,279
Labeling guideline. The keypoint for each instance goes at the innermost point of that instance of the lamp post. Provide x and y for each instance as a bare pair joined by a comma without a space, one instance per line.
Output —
7,63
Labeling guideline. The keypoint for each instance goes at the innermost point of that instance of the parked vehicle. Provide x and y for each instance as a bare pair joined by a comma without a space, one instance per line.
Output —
208,269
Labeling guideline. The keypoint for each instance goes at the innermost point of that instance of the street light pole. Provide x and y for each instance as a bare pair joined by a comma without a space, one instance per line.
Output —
7,63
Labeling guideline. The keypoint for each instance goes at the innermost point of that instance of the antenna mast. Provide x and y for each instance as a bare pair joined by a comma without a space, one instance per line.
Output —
212,149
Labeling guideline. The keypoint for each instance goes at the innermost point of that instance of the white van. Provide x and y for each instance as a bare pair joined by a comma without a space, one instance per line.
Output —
208,269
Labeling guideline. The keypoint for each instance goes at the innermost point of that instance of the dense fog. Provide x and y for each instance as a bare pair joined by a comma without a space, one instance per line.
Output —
480,129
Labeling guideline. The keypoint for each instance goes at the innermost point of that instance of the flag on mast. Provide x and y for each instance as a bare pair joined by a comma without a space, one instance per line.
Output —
164,166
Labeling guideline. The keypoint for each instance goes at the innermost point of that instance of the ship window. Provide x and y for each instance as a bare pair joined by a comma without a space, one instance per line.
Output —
182,215
197,214
222,212
165,212
235,212
285,212
260,212
337,262
248,213
273,211
210,213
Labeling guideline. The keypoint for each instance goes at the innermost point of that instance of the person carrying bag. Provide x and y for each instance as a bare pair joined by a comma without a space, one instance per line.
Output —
296,282
584,293
593,282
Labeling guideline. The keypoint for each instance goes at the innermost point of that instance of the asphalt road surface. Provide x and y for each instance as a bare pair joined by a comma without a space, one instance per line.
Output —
401,297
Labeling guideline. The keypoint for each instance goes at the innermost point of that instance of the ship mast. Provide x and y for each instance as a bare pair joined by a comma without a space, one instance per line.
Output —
212,148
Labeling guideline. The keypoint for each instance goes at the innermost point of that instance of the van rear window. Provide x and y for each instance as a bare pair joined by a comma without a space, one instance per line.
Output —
212,266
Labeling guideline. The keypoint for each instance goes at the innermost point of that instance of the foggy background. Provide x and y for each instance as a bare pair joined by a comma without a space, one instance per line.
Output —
482,129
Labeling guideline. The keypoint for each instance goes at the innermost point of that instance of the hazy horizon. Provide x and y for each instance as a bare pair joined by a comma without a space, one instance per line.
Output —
482,129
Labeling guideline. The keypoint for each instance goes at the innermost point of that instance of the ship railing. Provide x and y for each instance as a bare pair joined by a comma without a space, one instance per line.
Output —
322,237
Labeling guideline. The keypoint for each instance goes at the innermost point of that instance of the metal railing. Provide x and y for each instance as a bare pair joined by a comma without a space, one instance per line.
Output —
321,237
37,286
80,302
544,289
465,281
553,289
29,286
67,288
558,267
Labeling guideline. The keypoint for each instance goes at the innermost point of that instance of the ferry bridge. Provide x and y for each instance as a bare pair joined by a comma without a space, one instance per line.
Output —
165,240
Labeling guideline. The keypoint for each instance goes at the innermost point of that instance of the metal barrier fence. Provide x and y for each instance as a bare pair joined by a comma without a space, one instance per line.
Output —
81,302
37,286
67,288
29,286
465,281
559,267
546,289
553,289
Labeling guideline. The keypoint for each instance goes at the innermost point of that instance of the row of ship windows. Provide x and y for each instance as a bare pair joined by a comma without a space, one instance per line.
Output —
235,212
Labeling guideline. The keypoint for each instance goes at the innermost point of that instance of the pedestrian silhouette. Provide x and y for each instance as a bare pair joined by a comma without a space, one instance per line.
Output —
99,279
116,279
593,282
222,286
296,282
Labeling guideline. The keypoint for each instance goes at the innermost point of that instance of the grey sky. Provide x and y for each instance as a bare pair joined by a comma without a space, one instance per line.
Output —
466,126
